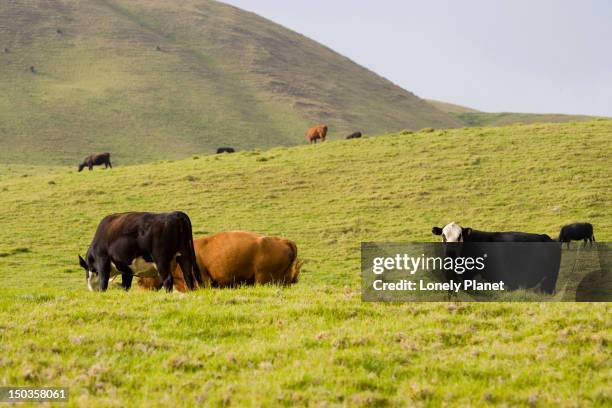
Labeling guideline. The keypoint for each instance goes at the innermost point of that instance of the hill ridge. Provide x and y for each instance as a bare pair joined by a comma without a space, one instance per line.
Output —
152,80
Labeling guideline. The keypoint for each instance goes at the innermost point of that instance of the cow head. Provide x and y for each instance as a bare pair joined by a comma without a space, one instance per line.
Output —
81,166
453,236
452,232
92,276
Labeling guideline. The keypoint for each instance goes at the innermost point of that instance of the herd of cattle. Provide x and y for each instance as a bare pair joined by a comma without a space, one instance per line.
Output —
160,250
313,135
518,266
453,232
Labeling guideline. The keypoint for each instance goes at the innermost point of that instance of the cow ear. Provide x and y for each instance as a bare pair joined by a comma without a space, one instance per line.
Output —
83,263
436,231
466,232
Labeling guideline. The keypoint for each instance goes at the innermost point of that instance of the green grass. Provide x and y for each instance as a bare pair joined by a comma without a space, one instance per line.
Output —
450,107
222,77
472,117
509,118
315,343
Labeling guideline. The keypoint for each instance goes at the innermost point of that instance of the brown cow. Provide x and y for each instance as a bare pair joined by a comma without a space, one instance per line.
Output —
316,133
236,258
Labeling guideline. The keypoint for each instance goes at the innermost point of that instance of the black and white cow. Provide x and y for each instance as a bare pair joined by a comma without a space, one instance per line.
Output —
453,232
140,244
576,232
522,263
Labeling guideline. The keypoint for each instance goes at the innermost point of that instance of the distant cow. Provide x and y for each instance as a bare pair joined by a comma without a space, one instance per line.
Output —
355,135
140,244
576,232
96,160
236,258
316,133
516,265
226,150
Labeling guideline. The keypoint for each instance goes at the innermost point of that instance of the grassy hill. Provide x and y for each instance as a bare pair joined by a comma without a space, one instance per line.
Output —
159,79
450,107
315,342
472,117
509,118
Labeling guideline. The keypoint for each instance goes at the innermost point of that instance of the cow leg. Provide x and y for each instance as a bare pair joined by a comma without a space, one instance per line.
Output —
548,285
165,273
104,271
126,275
187,269
110,164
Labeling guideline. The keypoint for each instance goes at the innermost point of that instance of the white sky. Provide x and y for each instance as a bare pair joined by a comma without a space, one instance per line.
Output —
514,55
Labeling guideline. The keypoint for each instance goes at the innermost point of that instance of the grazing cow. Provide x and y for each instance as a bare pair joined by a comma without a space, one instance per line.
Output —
141,244
316,133
236,258
96,160
355,135
576,232
516,265
226,150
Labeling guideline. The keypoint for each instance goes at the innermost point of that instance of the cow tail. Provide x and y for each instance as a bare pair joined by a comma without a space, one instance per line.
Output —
186,224
293,270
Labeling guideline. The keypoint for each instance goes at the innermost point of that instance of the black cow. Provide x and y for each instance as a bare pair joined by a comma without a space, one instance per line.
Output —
96,160
355,135
576,232
516,265
141,244
226,150
455,233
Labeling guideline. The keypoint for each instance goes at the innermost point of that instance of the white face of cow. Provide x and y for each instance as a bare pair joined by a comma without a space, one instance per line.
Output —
452,233
93,281
92,277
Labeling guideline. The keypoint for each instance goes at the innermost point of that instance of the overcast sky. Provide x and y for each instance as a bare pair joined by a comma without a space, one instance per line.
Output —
514,55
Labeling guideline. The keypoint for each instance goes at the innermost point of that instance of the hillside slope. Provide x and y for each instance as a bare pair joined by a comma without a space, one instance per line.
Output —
158,79
511,118
390,187
270,346
450,107
473,117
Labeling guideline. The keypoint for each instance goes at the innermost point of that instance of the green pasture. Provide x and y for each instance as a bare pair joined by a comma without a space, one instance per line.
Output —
316,343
